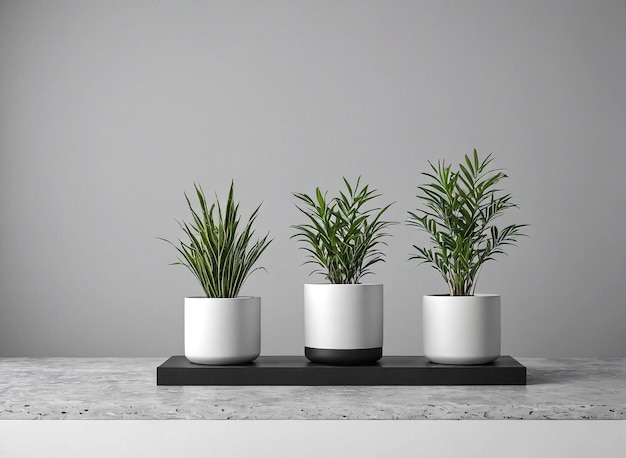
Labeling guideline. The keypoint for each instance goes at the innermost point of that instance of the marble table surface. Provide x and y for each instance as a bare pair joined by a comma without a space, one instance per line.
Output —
125,388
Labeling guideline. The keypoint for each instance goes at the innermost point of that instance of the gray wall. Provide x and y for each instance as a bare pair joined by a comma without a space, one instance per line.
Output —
110,110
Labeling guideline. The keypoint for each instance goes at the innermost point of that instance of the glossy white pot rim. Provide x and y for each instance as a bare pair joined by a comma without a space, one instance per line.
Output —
221,298
453,297
344,285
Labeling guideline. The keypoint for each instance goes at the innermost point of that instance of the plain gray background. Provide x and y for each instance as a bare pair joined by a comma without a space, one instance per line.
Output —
110,110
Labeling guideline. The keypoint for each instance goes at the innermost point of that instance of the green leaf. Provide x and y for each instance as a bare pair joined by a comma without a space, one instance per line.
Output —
218,253
459,208
343,235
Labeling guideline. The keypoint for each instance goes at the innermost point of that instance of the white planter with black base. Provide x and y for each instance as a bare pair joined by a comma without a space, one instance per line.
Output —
222,330
343,323
461,329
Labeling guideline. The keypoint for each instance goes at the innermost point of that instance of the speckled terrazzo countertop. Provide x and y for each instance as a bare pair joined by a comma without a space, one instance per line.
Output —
125,388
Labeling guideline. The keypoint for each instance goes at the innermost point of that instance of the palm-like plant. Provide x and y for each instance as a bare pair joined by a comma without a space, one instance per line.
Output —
219,254
461,206
342,237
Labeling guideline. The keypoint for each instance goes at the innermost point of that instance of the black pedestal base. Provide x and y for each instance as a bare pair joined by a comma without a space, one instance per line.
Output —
357,357
297,370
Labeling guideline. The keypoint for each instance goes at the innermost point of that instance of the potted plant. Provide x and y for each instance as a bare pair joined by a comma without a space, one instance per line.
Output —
221,327
343,320
461,207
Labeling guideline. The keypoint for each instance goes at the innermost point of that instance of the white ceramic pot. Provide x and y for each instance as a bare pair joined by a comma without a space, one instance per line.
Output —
343,324
461,329
222,330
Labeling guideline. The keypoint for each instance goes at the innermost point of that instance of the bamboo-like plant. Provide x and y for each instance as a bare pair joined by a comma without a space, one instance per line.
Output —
341,236
219,254
461,206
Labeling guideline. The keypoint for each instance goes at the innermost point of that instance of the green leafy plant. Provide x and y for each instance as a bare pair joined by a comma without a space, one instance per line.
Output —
219,254
342,237
461,206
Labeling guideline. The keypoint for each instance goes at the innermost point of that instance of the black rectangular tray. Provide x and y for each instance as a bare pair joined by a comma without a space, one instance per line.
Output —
297,370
